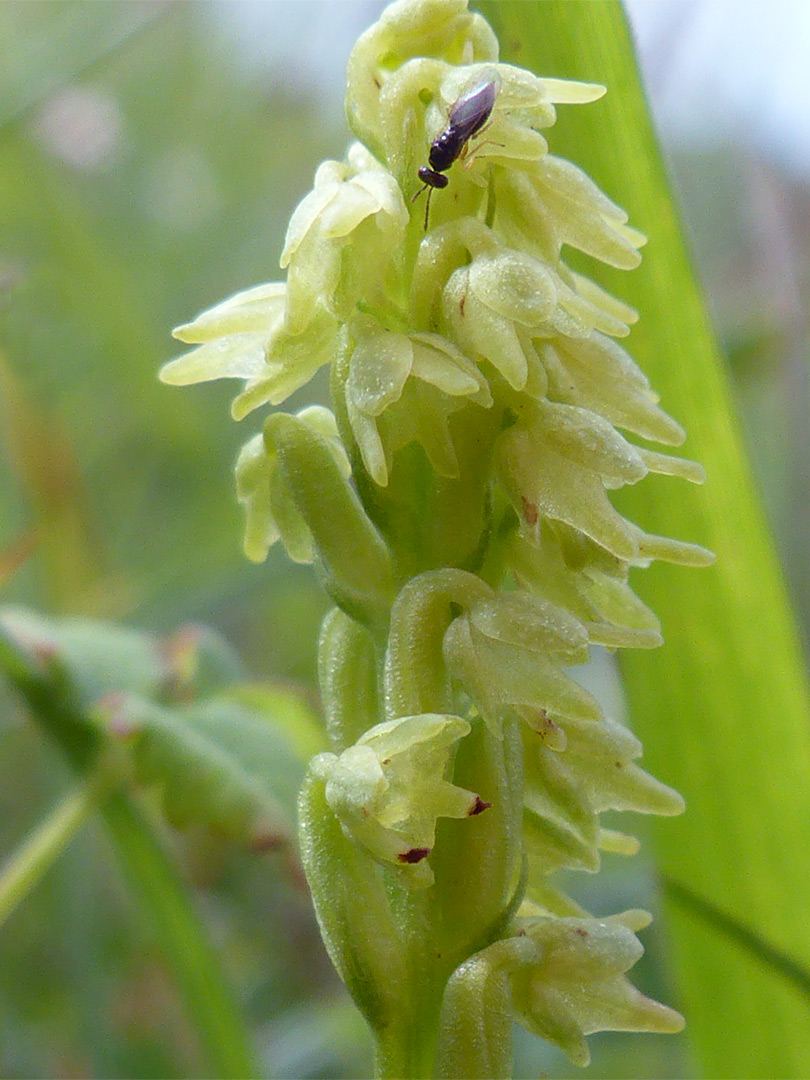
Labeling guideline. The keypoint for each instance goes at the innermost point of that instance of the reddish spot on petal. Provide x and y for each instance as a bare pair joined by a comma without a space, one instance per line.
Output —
478,807
413,855
462,304
581,931
530,511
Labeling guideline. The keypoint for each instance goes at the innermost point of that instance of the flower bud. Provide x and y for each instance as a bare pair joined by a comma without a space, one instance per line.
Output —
270,512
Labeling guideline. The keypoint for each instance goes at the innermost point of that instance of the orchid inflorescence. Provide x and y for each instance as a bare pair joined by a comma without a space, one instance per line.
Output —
455,503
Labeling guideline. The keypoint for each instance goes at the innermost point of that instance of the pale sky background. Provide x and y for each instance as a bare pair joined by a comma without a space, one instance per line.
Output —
713,67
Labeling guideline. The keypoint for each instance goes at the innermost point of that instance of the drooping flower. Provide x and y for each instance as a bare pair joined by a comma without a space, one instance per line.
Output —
420,373
388,790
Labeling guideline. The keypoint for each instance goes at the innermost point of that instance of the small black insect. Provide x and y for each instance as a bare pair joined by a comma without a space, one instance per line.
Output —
466,118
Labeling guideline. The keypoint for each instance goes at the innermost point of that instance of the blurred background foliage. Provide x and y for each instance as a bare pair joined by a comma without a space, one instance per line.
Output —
150,156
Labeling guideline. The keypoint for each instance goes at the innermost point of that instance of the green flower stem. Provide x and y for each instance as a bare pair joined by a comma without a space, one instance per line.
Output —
407,1047
23,870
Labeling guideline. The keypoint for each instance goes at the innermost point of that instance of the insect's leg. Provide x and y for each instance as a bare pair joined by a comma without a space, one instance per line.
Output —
427,205
465,150
419,192
486,127
468,159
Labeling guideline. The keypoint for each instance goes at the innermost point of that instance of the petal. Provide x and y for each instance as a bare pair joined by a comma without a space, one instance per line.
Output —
254,470
385,191
351,205
435,730
378,369
253,310
369,443
529,622
304,217
570,92
596,295
481,330
553,485
274,386
589,441
438,362
514,285
238,356
574,184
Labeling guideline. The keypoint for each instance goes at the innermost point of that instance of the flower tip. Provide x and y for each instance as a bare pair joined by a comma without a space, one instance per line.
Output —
667,1021
671,803
696,555
183,333
579,1055
378,471
254,554
241,406
634,919
172,373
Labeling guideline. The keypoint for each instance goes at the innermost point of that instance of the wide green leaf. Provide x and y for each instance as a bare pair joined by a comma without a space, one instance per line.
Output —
723,707
215,763
172,709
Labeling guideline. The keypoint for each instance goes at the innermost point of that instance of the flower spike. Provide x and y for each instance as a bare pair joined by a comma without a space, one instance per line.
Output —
456,503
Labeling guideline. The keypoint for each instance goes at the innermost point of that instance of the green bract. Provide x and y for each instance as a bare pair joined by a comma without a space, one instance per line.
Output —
456,504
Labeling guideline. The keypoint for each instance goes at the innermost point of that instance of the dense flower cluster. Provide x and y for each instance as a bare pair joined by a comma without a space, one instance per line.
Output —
456,504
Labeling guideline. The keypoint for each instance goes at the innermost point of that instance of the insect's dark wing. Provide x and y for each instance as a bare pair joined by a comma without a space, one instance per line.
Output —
472,111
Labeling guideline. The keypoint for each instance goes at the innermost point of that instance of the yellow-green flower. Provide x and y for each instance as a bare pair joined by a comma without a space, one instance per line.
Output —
389,789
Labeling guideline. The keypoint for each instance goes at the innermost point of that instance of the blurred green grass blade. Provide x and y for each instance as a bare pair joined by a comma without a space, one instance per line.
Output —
723,707
22,871
165,902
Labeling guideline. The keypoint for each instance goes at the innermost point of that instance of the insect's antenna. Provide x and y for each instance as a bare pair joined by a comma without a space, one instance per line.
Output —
429,189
